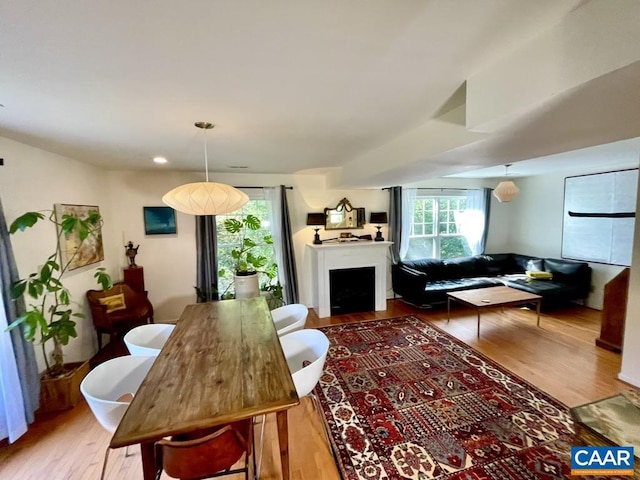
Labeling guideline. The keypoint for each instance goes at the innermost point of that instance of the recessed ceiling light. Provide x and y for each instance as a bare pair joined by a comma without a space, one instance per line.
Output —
160,160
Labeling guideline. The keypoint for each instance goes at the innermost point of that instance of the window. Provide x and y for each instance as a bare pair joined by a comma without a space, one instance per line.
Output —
435,231
227,241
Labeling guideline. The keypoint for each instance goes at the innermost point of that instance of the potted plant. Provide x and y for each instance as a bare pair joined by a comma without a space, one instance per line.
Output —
273,294
247,262
50,312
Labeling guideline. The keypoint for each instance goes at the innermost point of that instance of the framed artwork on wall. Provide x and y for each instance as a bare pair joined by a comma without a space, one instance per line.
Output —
80,253
599,217
159,221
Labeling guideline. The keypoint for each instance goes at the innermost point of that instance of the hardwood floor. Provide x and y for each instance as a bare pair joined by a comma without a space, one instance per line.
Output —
560,358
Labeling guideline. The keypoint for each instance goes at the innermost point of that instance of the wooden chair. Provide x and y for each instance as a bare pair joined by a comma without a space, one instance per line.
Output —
208,453
117,310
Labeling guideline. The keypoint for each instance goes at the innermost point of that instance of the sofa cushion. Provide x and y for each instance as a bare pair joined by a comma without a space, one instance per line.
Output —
464,267
432,267
566,271
497,263
412,271
546,288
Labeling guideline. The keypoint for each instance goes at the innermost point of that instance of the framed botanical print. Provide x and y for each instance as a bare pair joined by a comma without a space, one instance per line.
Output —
72,248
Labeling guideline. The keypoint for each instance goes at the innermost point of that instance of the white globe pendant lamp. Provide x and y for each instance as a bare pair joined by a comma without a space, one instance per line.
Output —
205,198
506,190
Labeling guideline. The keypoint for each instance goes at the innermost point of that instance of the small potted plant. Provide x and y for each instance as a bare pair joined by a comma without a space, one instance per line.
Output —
50,312
246,259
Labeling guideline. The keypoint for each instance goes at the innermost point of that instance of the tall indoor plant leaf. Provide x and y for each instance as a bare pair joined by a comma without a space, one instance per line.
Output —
50,311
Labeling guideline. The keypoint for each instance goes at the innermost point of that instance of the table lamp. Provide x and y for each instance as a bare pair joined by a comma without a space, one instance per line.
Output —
379,218
316,219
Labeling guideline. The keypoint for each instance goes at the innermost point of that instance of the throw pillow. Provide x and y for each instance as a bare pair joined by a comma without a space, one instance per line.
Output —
539,275
113,302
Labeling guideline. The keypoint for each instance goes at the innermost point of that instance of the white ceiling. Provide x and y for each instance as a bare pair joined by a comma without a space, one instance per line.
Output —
610,156
291,85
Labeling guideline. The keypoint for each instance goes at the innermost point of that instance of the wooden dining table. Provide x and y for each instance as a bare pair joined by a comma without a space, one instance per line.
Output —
222,363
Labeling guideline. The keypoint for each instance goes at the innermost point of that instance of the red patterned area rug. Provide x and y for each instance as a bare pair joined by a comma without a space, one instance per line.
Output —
404,400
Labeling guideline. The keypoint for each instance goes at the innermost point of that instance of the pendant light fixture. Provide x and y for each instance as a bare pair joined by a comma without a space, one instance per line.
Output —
506,190
205,198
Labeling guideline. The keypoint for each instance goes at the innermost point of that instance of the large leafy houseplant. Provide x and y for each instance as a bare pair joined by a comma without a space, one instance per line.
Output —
246,259
50,312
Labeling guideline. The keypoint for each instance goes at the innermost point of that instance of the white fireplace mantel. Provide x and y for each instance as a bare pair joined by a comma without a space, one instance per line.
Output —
336,256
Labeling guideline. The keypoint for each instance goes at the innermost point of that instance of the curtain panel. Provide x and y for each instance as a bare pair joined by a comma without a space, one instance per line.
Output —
474,221
395,222
19,377
207,260
280,220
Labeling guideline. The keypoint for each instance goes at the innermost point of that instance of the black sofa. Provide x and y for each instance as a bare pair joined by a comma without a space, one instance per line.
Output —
425,282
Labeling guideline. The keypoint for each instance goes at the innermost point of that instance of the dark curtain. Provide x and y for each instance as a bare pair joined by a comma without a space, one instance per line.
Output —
487,215
207,261
23,350
395,222
289,272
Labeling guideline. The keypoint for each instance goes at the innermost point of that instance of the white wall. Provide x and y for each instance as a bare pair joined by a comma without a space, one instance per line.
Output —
32,179
169,261
535,226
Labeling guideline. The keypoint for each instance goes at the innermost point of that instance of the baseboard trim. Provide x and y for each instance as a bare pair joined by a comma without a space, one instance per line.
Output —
631,381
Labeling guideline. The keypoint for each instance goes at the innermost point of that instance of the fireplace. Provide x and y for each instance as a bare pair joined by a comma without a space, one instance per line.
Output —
352,290
329,257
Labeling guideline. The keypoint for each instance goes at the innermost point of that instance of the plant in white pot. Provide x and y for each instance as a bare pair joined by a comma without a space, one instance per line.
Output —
246,258
50,312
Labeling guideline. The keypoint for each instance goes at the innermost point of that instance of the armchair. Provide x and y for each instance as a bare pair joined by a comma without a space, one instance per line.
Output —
117,310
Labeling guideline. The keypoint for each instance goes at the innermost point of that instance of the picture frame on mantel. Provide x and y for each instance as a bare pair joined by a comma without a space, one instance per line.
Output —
159,221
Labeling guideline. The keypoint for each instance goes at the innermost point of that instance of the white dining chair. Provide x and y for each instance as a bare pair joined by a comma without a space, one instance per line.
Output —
305,351
109,387
148,340
289,318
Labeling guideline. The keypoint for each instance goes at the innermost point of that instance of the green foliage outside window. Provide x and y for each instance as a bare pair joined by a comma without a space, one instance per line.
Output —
437,239
256,237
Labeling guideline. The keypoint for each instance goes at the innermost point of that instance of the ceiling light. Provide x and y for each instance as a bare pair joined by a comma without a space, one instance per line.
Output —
506,190
205,198
160,160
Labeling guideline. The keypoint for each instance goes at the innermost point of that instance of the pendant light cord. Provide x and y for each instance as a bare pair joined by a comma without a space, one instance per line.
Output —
206,159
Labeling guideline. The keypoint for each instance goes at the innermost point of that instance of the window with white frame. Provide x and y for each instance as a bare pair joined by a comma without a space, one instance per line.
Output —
435,230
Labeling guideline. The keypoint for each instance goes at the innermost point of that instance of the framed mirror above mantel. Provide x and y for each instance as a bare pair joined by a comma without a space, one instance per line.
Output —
344,216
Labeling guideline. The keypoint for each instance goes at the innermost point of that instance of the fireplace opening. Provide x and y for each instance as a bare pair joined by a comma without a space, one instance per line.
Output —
352,290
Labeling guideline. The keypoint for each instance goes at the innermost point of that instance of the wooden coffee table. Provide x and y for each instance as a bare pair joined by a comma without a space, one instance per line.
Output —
492,297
